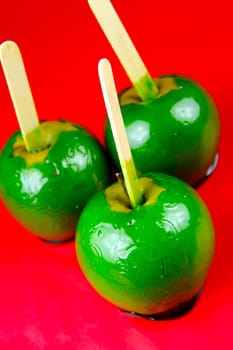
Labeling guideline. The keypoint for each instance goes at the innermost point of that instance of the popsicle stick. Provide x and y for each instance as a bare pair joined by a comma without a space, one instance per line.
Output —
18,85
119,133
118,37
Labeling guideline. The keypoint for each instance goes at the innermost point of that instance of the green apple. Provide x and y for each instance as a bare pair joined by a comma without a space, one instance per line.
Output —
151,259
177,132
46,190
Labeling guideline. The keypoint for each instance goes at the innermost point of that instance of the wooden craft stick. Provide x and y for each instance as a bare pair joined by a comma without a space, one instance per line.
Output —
18,85
118,37
119,133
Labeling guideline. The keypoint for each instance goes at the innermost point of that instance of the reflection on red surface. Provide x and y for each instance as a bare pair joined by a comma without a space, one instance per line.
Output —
45,301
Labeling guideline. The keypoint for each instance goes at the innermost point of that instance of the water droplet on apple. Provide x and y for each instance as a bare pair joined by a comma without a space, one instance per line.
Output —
96,250
99,233
164,267
132,222
25,197
70,152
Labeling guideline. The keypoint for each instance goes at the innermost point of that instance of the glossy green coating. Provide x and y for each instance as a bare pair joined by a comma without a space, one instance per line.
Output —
47,190
176,133
149,259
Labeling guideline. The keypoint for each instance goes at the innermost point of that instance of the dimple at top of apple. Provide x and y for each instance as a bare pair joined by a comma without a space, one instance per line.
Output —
176,133
151,258
46,190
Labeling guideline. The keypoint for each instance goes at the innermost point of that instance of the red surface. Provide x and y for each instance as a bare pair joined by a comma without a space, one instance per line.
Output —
45,302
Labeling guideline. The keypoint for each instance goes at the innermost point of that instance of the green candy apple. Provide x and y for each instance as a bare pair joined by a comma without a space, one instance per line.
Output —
151,259
177,132
46,190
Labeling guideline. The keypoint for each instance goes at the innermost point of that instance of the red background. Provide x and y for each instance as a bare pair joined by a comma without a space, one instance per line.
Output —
45,302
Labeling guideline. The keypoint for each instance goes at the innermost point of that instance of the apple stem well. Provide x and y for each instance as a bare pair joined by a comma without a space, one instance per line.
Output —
124,48
18,85
132,185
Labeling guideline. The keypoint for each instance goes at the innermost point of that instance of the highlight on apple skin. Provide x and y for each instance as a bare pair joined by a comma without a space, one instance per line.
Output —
177,132
151,259
46,190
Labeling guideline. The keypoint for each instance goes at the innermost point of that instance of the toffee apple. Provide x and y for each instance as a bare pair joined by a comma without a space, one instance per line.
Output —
177,132
145,245
152,259
172,123
48,170
47,189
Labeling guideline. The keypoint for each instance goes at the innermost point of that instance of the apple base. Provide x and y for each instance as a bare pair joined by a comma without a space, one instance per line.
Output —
209,171
175,312
58,241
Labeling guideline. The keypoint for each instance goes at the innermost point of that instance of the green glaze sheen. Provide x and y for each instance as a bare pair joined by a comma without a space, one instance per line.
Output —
176,133
149,259
47,190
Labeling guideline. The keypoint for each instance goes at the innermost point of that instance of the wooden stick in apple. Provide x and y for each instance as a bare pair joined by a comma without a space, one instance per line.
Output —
133,188
124,48
18,85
